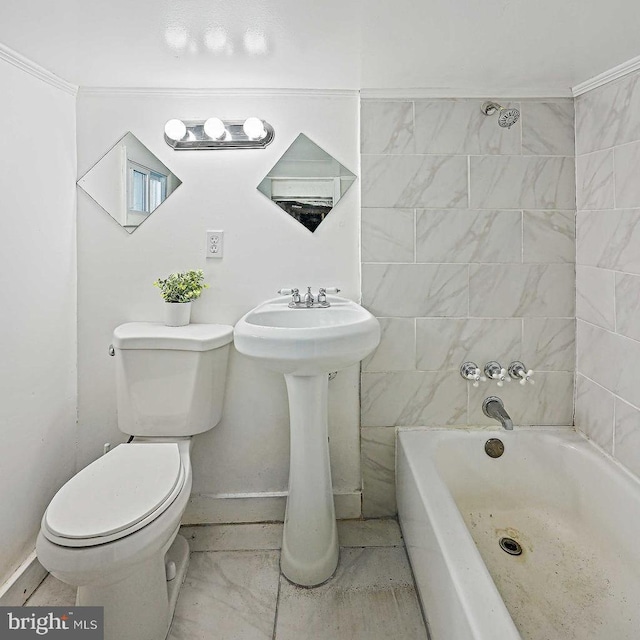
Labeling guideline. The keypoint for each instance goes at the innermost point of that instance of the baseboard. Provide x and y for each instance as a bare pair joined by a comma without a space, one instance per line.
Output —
23,582
205,508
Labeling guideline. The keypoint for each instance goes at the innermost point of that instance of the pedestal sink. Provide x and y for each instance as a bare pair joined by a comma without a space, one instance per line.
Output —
306,344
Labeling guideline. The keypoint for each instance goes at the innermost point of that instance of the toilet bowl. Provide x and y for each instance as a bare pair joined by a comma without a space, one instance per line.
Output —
112,530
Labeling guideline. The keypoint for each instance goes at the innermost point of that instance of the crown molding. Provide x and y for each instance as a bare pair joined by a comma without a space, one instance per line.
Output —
34,69
178,92
607,76
454,93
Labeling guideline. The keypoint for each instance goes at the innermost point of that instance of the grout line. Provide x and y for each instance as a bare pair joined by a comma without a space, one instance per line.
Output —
610,148
416,590
613,178
468,182
615,395
522,236
415,236
615,306
613,434
275,617
614,333
415,343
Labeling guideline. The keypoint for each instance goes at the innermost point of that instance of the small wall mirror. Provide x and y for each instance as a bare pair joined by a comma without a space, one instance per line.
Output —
129,182
307,182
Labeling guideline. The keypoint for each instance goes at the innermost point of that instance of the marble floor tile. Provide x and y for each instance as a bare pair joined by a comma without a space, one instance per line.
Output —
233,537
380,532
52,593
234,595
228,595
371,597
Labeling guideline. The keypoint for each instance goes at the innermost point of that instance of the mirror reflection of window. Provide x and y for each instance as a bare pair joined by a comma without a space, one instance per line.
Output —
146,189
306,182
157,190
129,182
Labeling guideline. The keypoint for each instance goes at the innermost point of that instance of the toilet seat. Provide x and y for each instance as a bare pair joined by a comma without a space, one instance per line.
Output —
116,495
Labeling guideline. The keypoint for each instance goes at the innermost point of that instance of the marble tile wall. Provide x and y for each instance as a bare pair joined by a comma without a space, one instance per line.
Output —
608,268
468,253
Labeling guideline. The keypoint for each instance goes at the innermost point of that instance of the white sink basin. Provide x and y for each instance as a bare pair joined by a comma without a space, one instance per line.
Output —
307,341
306,345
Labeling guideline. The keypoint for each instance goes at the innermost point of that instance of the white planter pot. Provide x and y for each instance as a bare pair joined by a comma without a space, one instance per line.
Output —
177,314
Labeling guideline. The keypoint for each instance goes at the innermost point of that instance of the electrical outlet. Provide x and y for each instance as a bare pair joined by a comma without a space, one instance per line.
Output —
215,244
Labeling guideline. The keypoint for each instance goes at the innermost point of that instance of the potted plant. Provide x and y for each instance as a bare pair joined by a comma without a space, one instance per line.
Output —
178,291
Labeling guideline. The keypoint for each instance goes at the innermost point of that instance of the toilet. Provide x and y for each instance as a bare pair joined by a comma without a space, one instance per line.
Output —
112,530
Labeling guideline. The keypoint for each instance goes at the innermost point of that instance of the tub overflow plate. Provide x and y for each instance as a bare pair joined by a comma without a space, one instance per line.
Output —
494,447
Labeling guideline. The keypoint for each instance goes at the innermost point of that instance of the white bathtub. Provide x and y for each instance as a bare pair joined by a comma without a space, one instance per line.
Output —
574,511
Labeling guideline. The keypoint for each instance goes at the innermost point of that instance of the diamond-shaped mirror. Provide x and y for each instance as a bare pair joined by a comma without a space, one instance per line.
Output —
307,182
129,182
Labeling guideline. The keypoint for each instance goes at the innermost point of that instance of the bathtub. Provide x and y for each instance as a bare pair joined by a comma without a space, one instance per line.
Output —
574,512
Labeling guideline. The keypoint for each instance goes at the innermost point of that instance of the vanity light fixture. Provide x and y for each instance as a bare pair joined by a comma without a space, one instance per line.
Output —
175,130
215,129
214,133
254,128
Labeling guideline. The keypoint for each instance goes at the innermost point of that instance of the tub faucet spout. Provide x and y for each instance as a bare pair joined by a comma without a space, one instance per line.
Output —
493,407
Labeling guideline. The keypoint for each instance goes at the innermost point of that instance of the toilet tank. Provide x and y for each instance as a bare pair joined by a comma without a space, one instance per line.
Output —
170,381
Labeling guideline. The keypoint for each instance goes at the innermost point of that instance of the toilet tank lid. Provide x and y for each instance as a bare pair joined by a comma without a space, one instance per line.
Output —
155,335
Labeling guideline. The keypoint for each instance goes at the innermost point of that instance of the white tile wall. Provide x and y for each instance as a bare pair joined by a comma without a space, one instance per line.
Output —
490,274
548,128
608,267
549,236
414,181
595,296
388,235
594,180
468,236
459,127
528,182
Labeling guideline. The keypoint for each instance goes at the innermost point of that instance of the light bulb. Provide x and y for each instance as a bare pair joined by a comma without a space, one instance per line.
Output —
175,129
254,128
215,129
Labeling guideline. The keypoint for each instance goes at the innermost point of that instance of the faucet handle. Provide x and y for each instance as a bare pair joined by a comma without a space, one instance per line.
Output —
471,371
295,296
519,372
330,289
494,371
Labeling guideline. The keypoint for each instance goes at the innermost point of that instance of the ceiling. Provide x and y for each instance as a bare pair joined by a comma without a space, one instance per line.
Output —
516,47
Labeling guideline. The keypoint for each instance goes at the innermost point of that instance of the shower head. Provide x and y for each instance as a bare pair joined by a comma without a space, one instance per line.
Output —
506,117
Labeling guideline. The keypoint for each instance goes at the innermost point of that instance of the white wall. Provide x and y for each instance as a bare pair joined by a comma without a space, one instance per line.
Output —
608,267
265,249
38,319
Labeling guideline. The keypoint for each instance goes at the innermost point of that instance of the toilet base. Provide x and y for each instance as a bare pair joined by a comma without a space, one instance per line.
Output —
141,606
178,553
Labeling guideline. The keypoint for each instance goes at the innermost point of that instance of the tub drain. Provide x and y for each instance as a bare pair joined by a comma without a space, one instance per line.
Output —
509,545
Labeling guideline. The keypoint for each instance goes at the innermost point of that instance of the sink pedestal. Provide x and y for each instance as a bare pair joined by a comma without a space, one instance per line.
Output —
310,539
305,345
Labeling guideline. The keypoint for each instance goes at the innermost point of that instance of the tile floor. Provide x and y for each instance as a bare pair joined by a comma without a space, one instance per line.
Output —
234,590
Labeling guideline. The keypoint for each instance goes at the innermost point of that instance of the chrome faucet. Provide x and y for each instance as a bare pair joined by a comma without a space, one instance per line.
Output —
308,301
493,407
308,298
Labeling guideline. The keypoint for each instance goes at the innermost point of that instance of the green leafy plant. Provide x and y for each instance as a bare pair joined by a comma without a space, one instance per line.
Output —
182,287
